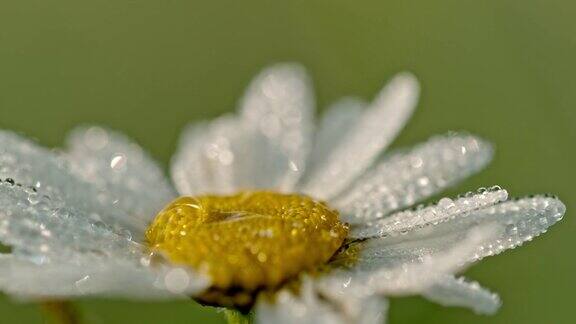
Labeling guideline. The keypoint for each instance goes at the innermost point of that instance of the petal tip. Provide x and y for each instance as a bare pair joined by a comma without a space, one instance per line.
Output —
285,69
407,81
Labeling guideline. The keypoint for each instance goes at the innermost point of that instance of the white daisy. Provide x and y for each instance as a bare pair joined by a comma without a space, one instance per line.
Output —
300,224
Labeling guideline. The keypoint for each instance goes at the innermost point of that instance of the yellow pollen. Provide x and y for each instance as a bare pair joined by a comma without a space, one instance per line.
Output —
247,242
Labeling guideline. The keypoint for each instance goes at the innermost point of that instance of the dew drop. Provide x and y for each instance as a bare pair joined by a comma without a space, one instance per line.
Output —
423,181
446,203
177,280
262,257
118,162
511,229
145,260
266,233
543,221
125,233
33,198
96,138
99,224
81,284
558,215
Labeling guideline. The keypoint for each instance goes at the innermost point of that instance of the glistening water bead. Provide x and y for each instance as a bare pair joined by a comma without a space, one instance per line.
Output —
248,242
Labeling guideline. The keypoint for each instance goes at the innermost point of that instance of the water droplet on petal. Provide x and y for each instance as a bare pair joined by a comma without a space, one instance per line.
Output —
81,284
96,138
511,229
118,162
446,203
177,280
33,198
125,233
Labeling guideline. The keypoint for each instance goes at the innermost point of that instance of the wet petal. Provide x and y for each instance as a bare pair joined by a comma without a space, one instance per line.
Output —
452,291
514,221
400,267
31,165
288,308
372,310
278,111
374,131
210,157
406,177
187,164
94,277
44,230
59,251
308,307
119,167
336,124
412,219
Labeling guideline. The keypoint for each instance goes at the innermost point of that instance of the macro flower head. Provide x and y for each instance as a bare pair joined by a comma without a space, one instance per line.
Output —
267,212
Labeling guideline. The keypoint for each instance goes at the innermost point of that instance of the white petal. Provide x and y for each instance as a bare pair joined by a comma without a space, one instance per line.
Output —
31,165
210,157
399,267
121,169
406,177
514,222
371,310
222,150
305,308
278,110
451,291
335,125
43,230
187,166
374,131
308,307
420,217
94,277
58,251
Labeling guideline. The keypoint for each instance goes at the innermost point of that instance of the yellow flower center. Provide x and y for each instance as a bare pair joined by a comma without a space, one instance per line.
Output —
248,242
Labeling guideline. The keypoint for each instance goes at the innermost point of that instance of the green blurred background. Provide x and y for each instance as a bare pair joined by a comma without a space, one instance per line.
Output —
503,69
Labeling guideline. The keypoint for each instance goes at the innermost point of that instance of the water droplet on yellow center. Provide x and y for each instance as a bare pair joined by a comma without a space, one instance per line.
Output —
247,242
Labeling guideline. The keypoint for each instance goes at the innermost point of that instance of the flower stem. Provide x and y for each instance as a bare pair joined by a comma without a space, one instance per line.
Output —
236,317
60,311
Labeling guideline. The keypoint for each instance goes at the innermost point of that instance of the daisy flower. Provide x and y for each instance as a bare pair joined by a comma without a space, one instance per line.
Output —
267,213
